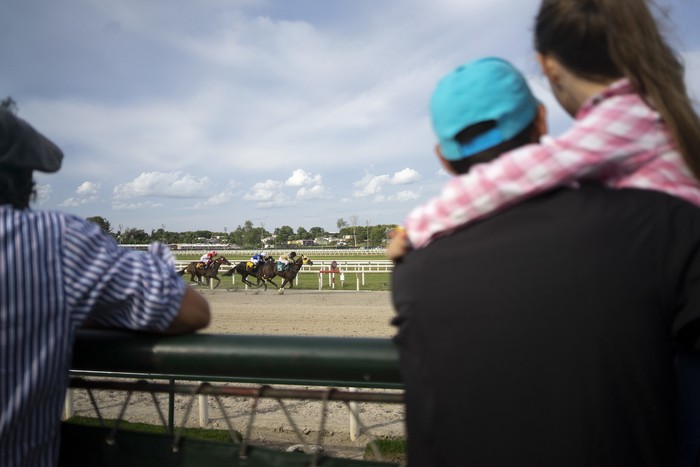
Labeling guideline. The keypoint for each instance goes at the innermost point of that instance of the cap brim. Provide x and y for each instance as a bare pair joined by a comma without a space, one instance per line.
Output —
22,147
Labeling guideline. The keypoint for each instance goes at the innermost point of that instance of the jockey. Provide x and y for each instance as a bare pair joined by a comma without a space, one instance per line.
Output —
206,259
255,261
286,259
257,257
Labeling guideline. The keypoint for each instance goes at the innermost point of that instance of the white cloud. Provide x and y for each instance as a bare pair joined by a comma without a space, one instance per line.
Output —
405,177
311,185
219,199
405,196
374,184
268,194
88,189
121,206
87,192
300,177
264,191
165,184
313,192
271,193
370,185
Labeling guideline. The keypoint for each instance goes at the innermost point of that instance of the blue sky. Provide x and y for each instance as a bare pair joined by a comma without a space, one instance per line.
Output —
205,114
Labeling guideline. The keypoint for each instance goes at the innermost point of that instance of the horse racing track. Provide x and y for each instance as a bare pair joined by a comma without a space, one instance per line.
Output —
297,312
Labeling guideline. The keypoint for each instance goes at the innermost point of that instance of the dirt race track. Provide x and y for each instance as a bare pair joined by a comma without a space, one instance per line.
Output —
296,312
301,312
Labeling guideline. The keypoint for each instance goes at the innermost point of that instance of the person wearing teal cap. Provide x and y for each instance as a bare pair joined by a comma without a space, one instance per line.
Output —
545,333
485,90
479,111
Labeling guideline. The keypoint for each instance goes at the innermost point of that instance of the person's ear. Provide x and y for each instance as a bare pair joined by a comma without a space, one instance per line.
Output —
444,162
541,121
551,69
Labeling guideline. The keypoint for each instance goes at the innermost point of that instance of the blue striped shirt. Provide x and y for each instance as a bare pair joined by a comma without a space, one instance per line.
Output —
56,270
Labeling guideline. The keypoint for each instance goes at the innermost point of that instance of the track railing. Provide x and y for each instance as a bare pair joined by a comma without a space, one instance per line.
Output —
303,360
336,362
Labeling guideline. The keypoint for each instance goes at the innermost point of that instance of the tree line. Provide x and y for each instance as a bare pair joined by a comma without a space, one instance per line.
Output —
249,236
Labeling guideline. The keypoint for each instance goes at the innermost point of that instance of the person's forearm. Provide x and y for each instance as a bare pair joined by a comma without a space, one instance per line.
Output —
194,313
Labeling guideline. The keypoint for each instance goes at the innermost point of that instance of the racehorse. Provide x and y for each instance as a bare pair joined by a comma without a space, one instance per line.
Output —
242,269
208,272
269,269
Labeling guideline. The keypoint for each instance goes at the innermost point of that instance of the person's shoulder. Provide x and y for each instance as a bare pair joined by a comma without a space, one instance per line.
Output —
626,209
620,198
46,218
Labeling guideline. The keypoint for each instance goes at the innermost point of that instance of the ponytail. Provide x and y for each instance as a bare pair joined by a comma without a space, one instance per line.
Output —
609,39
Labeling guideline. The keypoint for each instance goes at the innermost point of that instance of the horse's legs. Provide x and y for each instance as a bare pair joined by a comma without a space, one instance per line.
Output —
245,280
263,280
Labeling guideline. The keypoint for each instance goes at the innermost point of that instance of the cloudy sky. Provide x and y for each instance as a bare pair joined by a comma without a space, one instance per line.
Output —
205,114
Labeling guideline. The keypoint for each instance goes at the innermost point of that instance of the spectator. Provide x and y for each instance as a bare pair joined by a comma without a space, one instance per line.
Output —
542,334
49,289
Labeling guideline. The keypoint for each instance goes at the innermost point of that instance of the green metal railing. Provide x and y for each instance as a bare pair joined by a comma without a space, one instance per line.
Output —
335,362
296,360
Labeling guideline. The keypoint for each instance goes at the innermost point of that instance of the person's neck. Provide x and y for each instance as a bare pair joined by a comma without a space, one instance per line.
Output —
588,89
581,90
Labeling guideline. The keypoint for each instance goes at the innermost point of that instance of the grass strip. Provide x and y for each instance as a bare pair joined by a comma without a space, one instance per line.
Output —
392,449
198,433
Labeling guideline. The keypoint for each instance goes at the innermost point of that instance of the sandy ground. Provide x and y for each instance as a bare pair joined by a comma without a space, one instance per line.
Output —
296,312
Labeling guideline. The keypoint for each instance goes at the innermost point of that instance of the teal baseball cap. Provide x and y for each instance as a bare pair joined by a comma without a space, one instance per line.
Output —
488,89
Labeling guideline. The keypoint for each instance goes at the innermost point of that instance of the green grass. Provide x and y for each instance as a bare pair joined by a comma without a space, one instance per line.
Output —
392,449
373,281
380,281
198,433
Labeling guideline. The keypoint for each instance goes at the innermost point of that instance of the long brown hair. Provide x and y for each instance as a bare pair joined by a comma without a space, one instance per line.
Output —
604,39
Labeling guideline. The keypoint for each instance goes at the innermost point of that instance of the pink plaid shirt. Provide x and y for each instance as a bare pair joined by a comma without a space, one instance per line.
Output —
617,139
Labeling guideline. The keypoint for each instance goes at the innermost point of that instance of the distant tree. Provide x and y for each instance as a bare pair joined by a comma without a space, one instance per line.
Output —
341,224
134,236
175,237
101,222
303,234
236,236
315,232
9,104
283,234
188,237
247,235
203,234
159,235
377,235
252,236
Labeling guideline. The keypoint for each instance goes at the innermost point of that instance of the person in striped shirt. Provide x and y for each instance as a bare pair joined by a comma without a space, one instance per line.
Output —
634,127
49,289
